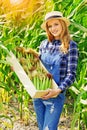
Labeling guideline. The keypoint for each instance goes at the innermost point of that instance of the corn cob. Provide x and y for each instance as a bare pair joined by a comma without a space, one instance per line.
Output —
46,83
35,80
31,64
37,85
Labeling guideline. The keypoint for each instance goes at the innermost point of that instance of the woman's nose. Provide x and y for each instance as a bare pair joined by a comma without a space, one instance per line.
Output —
53,27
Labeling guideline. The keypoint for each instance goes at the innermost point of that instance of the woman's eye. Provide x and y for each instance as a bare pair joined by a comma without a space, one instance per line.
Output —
49,26
56,24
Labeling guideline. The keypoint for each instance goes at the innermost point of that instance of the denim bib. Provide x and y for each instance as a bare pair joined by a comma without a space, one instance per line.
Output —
51,59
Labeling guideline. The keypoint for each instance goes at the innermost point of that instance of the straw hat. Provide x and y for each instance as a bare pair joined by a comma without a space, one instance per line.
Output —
54,15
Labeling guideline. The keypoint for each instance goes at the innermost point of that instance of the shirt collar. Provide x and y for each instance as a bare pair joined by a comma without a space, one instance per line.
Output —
56,42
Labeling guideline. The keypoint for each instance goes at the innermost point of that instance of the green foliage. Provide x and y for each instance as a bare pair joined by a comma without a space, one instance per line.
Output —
80,99
76,11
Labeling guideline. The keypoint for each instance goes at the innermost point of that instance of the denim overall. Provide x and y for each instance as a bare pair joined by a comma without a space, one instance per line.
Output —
48,111
51,61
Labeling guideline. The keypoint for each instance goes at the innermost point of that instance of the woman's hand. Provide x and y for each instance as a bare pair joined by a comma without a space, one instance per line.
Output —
52,93
12,68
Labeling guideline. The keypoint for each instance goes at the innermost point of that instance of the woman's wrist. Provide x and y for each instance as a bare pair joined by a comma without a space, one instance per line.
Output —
59,90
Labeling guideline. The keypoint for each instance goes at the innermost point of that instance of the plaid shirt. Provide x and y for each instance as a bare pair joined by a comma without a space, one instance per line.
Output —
68,64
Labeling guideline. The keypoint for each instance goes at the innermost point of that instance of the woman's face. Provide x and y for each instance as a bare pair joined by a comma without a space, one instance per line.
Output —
55,28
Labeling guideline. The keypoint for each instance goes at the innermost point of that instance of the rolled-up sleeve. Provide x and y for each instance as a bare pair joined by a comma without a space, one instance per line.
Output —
72,60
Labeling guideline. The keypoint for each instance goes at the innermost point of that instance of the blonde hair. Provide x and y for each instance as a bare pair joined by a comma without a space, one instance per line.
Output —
64,37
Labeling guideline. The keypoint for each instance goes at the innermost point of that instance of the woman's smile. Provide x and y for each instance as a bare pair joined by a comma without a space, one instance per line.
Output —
55,28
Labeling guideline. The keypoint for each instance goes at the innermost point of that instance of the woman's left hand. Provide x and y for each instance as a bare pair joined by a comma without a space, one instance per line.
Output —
52,93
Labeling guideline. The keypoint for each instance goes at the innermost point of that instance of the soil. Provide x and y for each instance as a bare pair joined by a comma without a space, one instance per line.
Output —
64,124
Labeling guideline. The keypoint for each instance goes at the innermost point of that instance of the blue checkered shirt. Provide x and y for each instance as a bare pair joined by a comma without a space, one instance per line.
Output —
68,64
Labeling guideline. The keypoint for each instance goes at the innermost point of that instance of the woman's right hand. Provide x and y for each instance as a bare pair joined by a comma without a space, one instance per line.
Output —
12,68
52,93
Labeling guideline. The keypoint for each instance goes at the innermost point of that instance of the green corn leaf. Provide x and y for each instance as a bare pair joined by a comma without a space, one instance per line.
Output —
75,118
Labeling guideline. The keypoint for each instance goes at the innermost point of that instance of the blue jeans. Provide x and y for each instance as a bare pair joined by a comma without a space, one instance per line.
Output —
48,111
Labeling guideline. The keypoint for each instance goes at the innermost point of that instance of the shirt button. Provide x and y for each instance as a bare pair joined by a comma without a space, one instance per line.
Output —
51,67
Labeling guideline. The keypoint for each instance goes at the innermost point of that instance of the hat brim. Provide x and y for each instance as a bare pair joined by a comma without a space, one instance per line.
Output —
43,25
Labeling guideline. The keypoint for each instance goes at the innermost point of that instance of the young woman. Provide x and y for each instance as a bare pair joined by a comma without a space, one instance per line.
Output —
59,54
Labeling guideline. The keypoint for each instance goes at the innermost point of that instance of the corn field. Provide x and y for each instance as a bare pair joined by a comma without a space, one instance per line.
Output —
20,22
